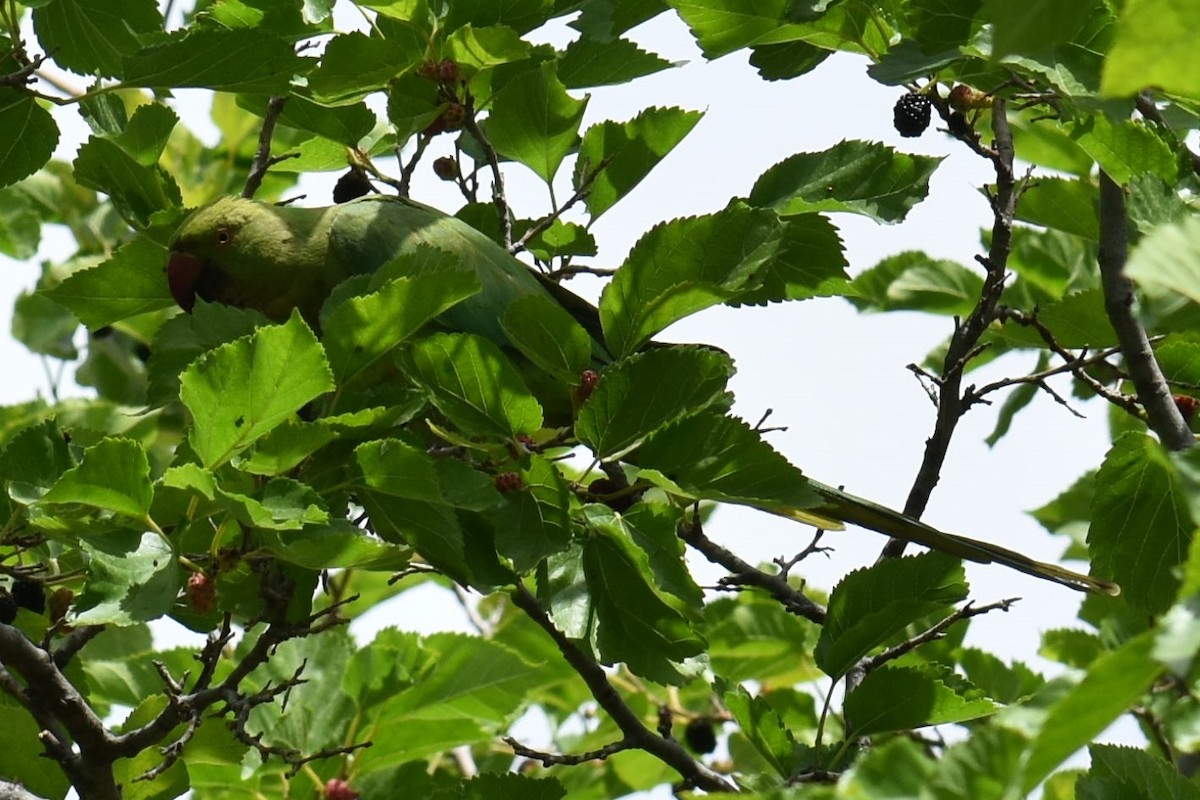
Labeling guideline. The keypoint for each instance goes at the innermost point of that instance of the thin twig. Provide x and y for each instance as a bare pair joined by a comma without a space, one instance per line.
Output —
493,159
669,751
585,186
1162,415
262,156
934,633
550,759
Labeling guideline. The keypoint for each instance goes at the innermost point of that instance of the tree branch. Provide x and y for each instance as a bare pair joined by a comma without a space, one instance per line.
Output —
933,633
493,159
1152,390
262,156
636,733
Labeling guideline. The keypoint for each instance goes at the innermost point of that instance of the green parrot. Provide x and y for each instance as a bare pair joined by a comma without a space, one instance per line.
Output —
275,259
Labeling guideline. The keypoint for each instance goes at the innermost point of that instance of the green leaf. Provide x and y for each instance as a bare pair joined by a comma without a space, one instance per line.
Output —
865,178
131,577
344,124
1154,46
809,263
472,689
533,523
534,120
44,326
145,136
720,27
520,15
648,391
39,776
128,283
137,190
1078,320
241,390
33,460
874,605
714,457
249,62
683,266
182,339
653,528
360,330
902,698
1116,681
753,637
589,62
777,62
354,64
1035,27
987,766
631,150
637,623
92,36
471,381
31,135
548,336
1127,772
1125,149
114,475
337,546
1002,682
20,223
1065,205
1141,522
484,48
913,281
1169,258
897,768
760,723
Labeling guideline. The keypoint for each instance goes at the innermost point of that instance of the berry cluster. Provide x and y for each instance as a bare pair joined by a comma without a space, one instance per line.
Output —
23,594
911,114
446,74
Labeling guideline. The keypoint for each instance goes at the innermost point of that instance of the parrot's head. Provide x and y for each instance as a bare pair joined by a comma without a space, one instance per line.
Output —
233,251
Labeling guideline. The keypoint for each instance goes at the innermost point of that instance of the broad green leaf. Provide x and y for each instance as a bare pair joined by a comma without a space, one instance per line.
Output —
92,36
897,768
1075,648
354,65
903,698
1125,149
534,120
858,177
44,326
760,723
909,60
128,283
1134,774
472,690
1002,682
282,505
1141,522
720,27
145,136
137,190
809,263
914,281
652,527
1169,258
1116,681
1154,45
520,15
683,266
20,223
984,767
548,336
645,392
631,150
33,460
182,339
337,546
494,786
114,475
714,457
360,330
589,62
1065,205
487,47
943,24
872,606
532,523
1048,144
240,391
754,637
344,124
1077,320
777,62
637,623
31,135
131,577
250,62
40,776
1034,27
473,383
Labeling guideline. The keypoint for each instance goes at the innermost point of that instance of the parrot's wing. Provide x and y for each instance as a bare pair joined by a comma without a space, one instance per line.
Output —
847,508
372,231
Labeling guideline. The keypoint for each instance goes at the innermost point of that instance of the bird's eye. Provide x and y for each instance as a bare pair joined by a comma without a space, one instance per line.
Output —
224,236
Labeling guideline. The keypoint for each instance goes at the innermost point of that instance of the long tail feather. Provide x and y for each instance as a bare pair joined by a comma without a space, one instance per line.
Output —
856,510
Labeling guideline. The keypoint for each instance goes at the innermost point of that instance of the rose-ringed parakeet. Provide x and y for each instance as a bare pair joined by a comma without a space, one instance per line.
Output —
275,259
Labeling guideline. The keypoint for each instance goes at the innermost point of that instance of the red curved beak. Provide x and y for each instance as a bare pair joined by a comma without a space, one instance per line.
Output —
183,273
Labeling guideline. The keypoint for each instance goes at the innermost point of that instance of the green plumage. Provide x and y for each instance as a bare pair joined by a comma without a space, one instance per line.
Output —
275,258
